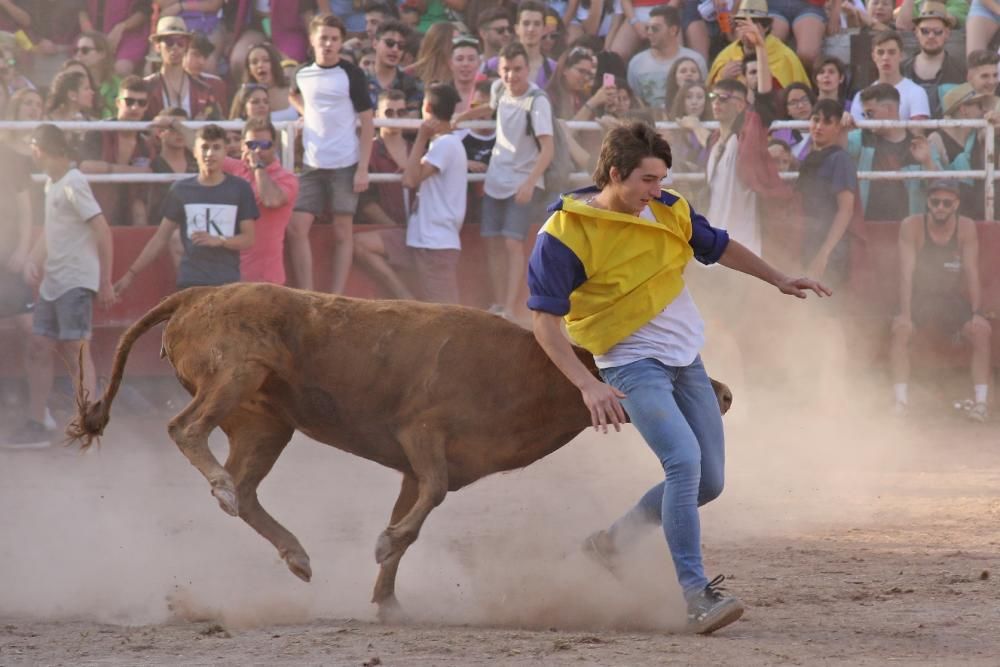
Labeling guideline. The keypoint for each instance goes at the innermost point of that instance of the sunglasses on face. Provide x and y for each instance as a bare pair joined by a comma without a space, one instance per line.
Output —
392,43
936,202
721,97
394,113
868,115
171,42
84,50
255,144
927,32
135,102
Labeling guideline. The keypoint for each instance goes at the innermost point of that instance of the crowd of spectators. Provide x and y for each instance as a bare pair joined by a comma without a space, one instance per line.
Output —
334,66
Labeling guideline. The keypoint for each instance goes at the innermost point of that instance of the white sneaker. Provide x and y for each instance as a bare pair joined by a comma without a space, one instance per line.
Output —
49,423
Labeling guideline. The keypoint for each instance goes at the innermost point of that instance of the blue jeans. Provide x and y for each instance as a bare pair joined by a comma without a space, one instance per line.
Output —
677,413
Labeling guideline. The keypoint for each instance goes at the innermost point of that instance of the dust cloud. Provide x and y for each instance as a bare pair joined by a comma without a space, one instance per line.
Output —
129,534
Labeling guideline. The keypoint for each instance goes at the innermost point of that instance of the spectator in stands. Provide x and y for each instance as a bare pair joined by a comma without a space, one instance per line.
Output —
570,89
796,102
963,148
93,50
274,189
263,66
781,153
785,65
388,75
806,20
377,13
172,86
75,257
125,152
981,73
889,149
14,16
690,143
429,246
553,35
202,16
195,61
940,291
829,77
981,27
464,67
909,10
409,13
646,68
366,61
887,54
11,80
282,23
174,158
633,20
495,32
932,68
528,28
332,97
55,25
515,187
251,101
387,203
27,104
434,56
71,97
478,150
215,213
684,71
126,24
828,185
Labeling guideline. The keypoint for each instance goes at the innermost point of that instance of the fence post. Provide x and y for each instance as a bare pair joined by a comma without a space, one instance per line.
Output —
288,135
990,165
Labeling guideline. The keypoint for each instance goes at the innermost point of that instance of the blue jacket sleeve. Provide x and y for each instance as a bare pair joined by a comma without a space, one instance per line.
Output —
554,271
707,242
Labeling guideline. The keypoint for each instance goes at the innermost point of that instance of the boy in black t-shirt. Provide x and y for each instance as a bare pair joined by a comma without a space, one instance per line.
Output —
215,213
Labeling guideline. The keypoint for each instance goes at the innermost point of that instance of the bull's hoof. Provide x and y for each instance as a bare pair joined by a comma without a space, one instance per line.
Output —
298,563
390,611
226,496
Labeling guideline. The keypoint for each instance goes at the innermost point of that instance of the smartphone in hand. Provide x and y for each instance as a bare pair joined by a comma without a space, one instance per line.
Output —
609,80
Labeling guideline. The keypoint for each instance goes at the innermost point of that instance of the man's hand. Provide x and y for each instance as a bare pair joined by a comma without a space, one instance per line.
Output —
978,324
524,193
31,274
476,167
641,30
106,295
123,283
206,240
801,286
360,180
604,404
751,33
731,70
17,261
920,149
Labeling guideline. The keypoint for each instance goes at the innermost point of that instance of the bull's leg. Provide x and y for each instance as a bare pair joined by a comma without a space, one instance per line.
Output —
426,454
385,586
255,442
190,429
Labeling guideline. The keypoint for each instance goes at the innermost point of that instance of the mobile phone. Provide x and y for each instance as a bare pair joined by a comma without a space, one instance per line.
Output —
609,80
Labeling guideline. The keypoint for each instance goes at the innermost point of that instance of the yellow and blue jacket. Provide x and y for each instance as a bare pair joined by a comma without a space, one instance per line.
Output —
610,273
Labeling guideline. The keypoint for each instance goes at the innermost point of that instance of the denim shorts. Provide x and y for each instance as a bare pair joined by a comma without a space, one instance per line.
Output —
322,190
978,9
69,317
504,217
792,10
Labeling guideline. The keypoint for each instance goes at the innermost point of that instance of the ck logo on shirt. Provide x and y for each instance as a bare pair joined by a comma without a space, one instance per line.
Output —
215,219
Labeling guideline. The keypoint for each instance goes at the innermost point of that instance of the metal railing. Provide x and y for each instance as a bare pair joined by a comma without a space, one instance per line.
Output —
289,131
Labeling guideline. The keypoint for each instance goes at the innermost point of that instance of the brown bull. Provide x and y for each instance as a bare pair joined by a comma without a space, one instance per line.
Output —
443,394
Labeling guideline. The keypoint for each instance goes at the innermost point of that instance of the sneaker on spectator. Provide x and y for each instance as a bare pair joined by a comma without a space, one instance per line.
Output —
31,435
599,548
977,413
710,610
49,422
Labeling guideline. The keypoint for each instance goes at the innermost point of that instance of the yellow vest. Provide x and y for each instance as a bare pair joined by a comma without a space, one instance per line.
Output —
634,267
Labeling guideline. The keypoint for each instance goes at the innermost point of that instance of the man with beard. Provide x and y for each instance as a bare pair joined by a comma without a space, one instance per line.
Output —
932,66
939,290
887,54
388,75
495,31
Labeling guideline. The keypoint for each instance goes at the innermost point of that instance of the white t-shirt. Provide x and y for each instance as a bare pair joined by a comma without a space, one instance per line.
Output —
647,74
732,205
333,97
441,197
72,259
674,337
515,152
912,101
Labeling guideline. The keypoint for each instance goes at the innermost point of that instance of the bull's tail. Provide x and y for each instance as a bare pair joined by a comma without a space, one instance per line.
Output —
92,418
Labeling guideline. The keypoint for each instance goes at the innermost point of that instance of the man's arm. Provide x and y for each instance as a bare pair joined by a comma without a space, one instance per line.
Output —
736,256
105,254
546,149
23,248
483,112
907,263
416,168
137,207
272,195
366,137
156,244
969,240
18,15
841,221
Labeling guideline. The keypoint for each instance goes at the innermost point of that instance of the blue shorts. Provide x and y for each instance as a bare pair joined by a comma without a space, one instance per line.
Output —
67,318
792,10
502,217
978,9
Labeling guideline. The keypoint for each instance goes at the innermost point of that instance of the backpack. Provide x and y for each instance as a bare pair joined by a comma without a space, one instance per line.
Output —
557,174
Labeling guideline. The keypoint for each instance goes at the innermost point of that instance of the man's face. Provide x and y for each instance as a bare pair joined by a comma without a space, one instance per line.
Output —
726,105
880,110
782,158
941,204
259,144
86,51
194,62
659,33
529,28
326,43
751,75
464,63
372,21
828,78
170,137
209,154
131,104
971,110
881,10
887,57
388,49
514,74
172,49
390,109
496,34
983,79
824,131
642,185
932,34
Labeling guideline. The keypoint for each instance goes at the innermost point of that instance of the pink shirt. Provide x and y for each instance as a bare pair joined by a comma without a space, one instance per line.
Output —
265,261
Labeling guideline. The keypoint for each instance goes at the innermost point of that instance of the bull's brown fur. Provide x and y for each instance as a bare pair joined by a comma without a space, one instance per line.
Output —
443,394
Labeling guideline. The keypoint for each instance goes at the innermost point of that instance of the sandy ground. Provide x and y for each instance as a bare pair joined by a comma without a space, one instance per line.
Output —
851,540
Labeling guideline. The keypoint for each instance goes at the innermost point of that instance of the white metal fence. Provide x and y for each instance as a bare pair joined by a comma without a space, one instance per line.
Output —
289,131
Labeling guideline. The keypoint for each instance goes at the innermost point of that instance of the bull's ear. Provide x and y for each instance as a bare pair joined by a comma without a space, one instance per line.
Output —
723,394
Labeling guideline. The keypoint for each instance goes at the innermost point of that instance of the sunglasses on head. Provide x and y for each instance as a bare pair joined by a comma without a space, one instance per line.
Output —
947,202
927,32
135,101
392,43
255,144
171,42
84,50
465,40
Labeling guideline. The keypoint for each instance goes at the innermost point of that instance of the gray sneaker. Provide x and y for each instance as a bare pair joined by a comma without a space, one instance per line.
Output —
31,435
977,413
710,610
599,548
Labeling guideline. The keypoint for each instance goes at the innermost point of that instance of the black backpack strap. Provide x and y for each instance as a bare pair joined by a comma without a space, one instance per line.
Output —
531,127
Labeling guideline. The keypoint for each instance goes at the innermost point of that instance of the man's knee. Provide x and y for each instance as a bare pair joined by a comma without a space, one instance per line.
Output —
710,488
343,228
298,226
513,245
